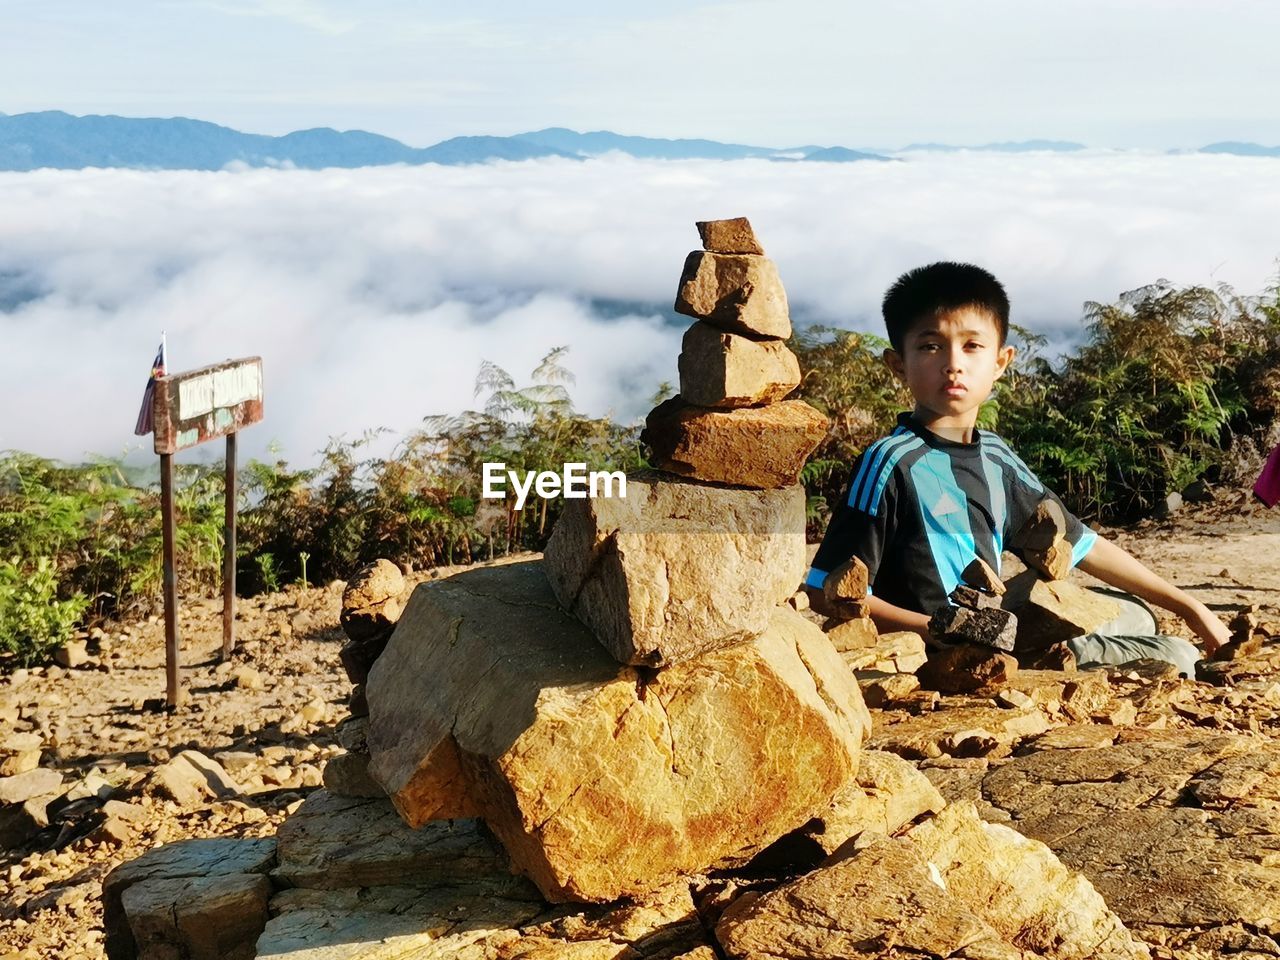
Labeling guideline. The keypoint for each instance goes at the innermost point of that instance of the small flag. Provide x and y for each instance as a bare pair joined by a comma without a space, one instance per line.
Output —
144,425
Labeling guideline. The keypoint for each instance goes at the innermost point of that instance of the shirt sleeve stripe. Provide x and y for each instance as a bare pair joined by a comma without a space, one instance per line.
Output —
881,463
1019,468
999,446
912,443
870,461
1080,549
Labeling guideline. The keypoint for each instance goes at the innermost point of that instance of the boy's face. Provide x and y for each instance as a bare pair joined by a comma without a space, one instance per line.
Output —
951,363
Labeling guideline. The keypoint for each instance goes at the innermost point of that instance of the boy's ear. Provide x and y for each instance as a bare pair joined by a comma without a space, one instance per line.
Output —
1004,358
894,361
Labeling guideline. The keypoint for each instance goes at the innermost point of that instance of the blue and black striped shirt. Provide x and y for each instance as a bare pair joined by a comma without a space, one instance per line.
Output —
919,508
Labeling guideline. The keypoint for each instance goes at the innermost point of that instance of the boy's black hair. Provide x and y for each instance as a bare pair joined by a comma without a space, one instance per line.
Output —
939,288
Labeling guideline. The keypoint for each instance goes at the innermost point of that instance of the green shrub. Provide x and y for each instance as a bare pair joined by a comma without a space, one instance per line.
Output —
32,619
1152,401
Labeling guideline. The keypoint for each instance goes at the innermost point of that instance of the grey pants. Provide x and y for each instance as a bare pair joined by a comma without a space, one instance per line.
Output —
1133,635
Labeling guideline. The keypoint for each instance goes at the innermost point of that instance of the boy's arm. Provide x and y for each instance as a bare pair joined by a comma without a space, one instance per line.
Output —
1111,564
889,618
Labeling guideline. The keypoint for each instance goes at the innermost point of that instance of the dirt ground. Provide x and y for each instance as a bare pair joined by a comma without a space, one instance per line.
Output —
269,717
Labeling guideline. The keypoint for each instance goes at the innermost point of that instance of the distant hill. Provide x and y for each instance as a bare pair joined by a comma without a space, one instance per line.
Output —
59,140
460,150
1008,146
1241,149
602,141
55,139
840,155
654,148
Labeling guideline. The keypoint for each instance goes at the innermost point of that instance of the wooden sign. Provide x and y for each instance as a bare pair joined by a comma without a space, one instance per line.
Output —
187,409
199,405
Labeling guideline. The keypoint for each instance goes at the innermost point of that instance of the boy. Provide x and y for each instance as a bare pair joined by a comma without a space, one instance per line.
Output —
937,492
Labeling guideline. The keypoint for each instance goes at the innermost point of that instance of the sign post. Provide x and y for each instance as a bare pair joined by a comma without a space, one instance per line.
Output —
229,553
188,409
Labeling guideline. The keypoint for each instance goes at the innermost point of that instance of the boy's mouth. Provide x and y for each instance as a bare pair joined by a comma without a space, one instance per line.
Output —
955,389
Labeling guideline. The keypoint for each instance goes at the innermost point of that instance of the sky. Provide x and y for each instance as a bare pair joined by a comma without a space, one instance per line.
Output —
374,295
1153,74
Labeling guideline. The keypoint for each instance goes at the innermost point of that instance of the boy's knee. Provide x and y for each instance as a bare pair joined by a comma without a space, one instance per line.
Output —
1101,650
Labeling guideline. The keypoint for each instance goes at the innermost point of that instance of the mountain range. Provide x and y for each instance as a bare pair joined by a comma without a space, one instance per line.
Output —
54,139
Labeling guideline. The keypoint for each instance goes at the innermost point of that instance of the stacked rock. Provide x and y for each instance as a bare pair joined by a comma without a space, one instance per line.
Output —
730,422
371,605
641,704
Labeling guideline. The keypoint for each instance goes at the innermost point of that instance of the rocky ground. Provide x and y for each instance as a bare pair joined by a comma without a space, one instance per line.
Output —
267,718
1162,791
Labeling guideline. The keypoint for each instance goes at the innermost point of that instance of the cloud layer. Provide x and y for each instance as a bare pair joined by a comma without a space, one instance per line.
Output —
373,295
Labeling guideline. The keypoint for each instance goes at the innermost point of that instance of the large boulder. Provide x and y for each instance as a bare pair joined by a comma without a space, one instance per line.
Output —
876,901
1021,888
740,293
676,568
602,780
763,447
720,369
952,886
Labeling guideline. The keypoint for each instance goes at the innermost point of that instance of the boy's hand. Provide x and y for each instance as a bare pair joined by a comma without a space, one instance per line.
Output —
1207,626
1111,564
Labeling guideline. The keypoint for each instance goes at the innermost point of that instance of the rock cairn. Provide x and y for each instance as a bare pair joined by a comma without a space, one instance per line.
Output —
642,703
731,423
371,605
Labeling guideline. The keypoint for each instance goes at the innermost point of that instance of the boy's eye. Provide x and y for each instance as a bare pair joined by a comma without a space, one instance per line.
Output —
973,345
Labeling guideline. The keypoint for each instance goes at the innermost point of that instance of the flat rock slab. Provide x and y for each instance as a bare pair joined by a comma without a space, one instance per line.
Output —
878,902
601,780
1174,829
1054,611
902,651
333,841
170,867
1020,887
964,730
740,293
218,917
428,920
952,886
887,795
43,781
676,568
763,447
729,236
425,923
722,369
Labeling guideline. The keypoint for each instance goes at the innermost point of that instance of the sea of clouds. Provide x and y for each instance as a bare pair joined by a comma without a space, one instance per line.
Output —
374,295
